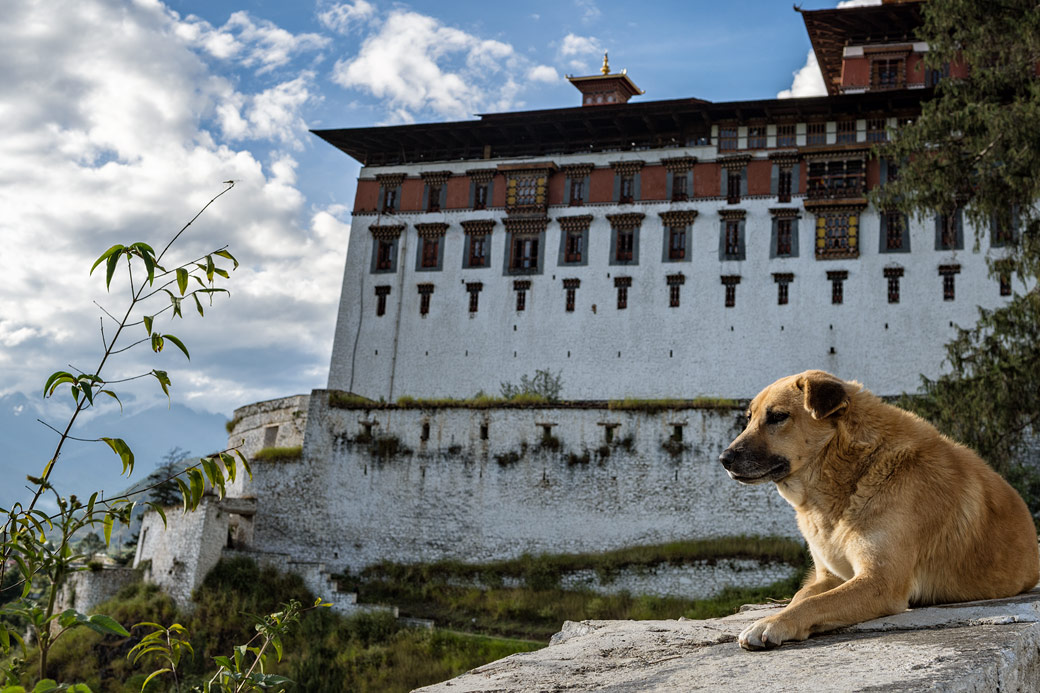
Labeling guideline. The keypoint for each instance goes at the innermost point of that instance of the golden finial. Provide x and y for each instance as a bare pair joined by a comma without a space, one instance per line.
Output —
606,68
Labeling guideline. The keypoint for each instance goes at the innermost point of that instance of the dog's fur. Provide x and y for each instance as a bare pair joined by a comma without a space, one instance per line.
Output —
894,513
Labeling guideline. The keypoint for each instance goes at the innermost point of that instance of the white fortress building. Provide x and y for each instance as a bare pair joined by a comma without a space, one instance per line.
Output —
677,248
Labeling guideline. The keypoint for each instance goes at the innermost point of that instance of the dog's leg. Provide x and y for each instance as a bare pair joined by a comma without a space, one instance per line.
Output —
823,581
862,598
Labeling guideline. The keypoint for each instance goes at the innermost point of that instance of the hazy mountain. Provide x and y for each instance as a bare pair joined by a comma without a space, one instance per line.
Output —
86,467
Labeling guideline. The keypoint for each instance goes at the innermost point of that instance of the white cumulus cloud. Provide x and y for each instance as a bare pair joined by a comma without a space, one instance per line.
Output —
344,17
579,51
808,81
543,73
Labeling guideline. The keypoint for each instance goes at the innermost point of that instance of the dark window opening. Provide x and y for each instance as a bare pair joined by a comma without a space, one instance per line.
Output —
877,130
837,280
570,287
816,133
622,284
425,291
385,255
948,231
577,191
480,196
732,237
433,199
676,243
521,288
677,433
474,295
381,293
781,294
572,246
727,139
625,245
785,135
756,138
673,296
846,132
733,179
389,200
949,272
783,184
430,252
783,236
477,251
1005,284
893,274
887,73
425,435
627,189
483,431
836,179
679,192
270,436
730,282
525,253
894,225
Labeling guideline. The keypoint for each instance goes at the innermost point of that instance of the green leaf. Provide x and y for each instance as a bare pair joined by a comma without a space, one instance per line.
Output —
56,379
198,485
182,280
45,686
185,495
152,675
229,256
157,342
120,447
106,625
159,511
148,323
69,617
113,396
198,303
179,344
113,261
104,256
164,381
209,268
223,661
107,525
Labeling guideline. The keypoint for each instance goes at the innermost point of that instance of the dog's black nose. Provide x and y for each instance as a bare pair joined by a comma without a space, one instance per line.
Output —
727,457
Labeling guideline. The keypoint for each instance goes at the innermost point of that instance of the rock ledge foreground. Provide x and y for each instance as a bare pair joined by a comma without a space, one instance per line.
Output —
973,646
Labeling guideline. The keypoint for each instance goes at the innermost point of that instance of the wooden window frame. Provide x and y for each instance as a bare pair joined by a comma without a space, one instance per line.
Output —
430,253
677,243
815,134
622,285
787,135
382,291
846,131
837,279
783,236
756,137
729,137
573,246
473,289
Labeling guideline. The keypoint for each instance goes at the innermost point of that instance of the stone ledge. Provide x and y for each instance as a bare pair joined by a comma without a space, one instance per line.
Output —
974,646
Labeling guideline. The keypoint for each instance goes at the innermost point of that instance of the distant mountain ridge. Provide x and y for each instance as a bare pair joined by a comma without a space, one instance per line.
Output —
87,467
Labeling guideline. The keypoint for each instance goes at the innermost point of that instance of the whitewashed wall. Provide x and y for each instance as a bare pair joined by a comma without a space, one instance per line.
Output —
450,498
698,349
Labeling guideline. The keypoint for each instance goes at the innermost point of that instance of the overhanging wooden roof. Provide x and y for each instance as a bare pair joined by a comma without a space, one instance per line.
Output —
831,30
624,127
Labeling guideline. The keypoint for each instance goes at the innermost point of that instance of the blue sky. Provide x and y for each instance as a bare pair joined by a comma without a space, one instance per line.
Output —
122,117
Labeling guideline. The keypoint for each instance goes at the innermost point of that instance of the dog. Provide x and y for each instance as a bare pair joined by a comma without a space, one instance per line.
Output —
895,514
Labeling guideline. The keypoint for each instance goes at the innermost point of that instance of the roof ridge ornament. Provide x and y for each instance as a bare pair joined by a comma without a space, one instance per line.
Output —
606,66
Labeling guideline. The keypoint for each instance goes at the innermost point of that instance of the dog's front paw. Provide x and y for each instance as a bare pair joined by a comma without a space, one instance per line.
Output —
769,633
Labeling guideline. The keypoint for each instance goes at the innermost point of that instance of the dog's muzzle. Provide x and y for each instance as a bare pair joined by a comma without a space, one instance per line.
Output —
749,468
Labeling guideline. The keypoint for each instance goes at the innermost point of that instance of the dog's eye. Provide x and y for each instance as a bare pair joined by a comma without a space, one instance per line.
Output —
775,417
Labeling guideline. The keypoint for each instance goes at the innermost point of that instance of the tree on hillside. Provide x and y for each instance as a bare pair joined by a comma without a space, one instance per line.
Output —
975,148
166,492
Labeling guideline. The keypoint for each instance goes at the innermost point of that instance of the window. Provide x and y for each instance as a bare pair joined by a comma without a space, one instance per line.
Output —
480,195
385,255
622,284
433,198
730,282
521,288
892,274
948,231
577,187
783,237
895,231
783,184
390,200
837,178
625,245
948,273
734,183
626,192
677,243
846,132
679,191
1004,227
425,291
877,130
525,254
381,293
572,251
474,295
430,255
756,138
675,282
782,282
837,279
816,133
526,191
1005,283
727,138
570,287
478,250
732,237
837,234
785,135
887,73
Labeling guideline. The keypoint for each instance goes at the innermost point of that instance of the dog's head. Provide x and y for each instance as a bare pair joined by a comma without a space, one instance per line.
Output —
788,423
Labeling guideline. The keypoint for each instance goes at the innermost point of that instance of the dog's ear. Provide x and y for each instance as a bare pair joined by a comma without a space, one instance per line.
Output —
824,394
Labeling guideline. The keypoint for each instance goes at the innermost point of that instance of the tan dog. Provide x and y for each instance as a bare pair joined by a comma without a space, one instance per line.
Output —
895,514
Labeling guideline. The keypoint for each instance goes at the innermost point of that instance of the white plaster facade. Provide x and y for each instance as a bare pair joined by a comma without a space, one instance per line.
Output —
650,349
457,495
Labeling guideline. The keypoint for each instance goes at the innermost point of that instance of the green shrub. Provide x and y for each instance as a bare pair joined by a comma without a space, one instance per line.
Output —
291,454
